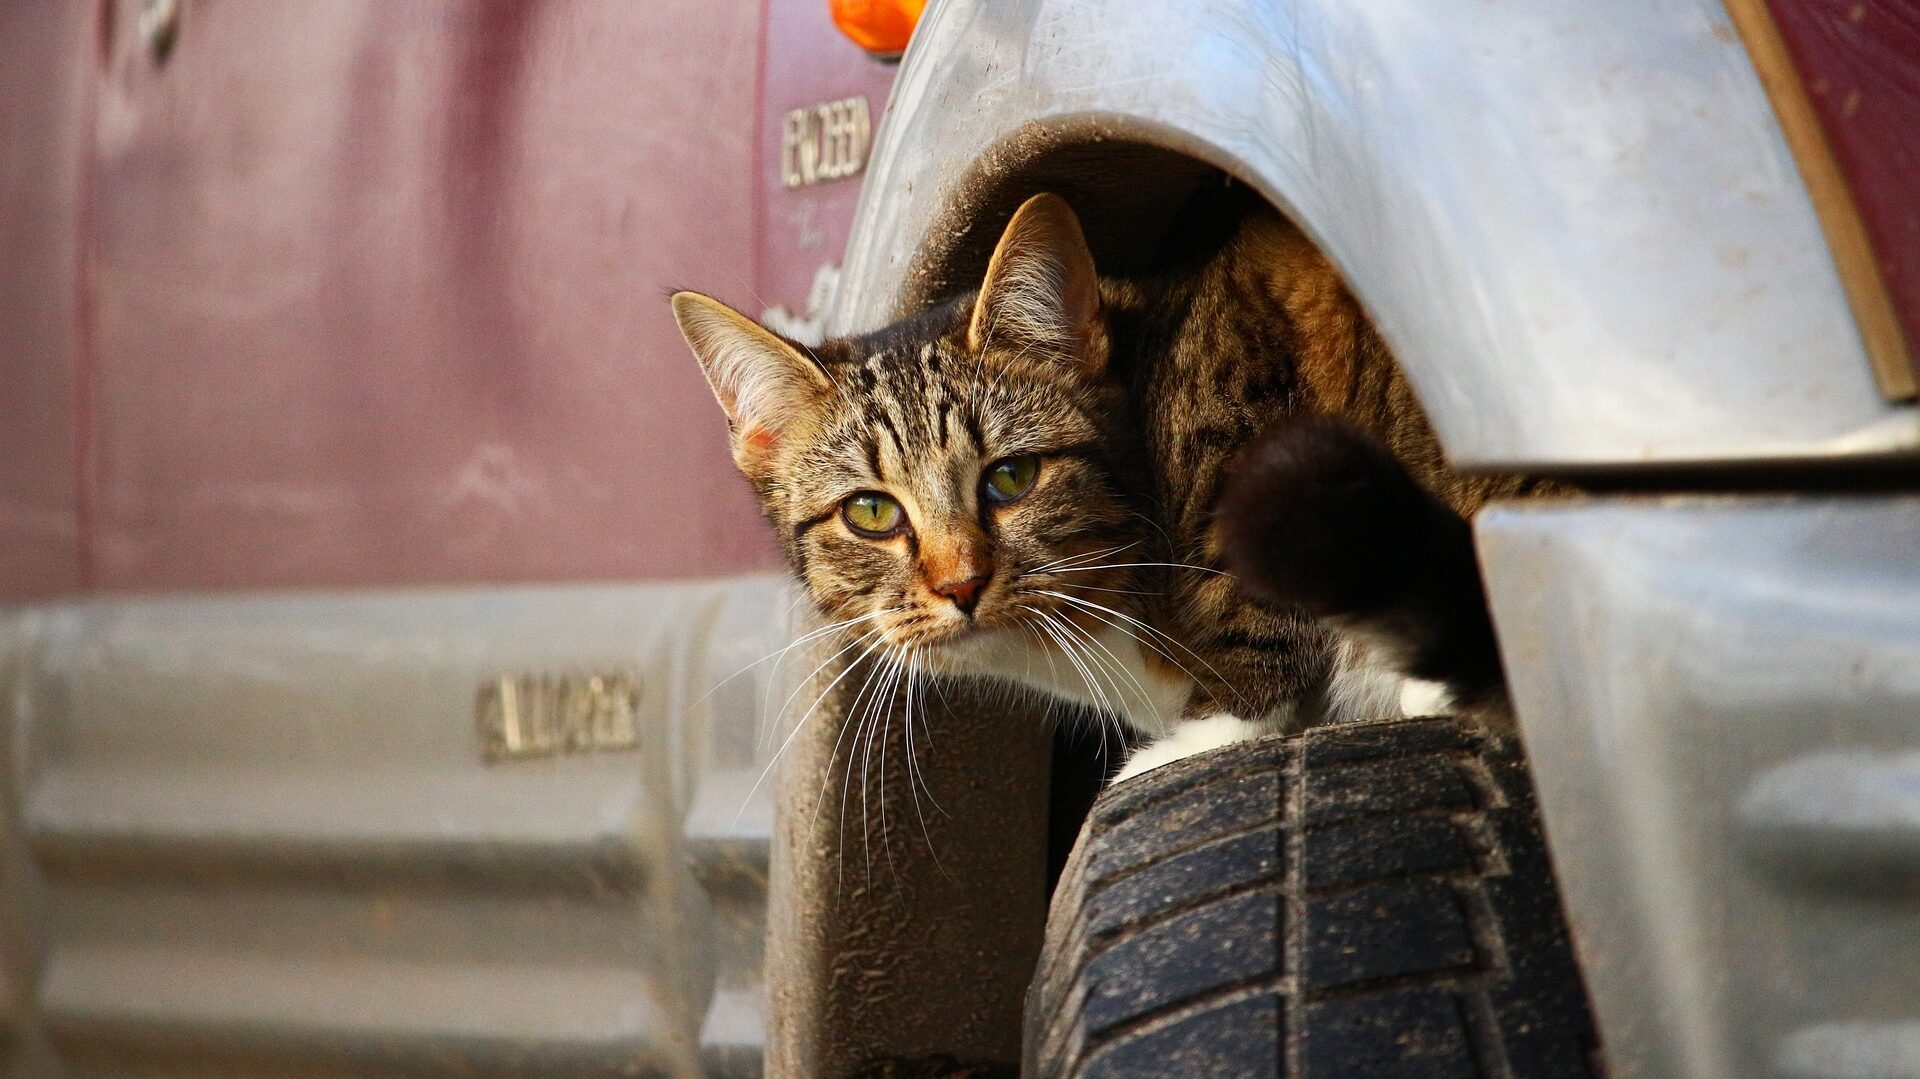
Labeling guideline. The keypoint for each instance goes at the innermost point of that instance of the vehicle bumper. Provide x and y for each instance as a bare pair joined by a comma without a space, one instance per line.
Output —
1721,701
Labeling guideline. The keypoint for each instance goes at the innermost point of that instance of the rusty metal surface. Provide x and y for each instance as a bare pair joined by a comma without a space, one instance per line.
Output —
253,835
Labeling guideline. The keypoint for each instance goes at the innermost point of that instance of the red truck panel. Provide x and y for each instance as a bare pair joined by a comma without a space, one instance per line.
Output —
44,90
808,61
378,292
1860,63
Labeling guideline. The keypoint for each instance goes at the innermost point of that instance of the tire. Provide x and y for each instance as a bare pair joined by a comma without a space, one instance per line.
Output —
1358,900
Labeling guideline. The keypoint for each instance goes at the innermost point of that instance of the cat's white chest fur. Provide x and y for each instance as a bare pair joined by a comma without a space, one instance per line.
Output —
1104,669
1107,670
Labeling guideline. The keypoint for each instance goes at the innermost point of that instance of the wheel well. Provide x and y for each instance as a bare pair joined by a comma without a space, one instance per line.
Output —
1127,192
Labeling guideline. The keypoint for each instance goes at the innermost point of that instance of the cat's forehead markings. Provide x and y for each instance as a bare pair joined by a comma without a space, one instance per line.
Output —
942,405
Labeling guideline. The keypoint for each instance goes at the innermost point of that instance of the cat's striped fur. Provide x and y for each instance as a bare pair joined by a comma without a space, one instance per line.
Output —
1102,582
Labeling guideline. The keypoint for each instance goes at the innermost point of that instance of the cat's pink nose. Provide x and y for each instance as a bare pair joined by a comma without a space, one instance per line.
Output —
964,594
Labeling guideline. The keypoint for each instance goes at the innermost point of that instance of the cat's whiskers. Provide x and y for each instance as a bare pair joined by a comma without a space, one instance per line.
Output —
788,703
923,682
859,717
1097,588
1104,718
1068,649
915,780
771,719
779,654
1117,697
774,717
1139,690
1156,632
1052,636
1155,525
1146,643
1053,672
1101,719
1133,565
1077,559
882,724
898,685
874,635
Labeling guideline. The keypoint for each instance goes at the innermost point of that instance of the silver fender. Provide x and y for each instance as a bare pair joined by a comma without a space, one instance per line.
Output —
1577,224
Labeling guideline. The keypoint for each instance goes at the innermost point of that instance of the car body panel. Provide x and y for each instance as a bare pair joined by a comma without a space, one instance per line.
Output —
800,231
47,102
1859,63
352,298
373,294
1719,700
1578,225
273,832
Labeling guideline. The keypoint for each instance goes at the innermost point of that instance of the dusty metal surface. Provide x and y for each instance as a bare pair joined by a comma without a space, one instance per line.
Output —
1577,224
1719,700
1813,138
254,835
907,907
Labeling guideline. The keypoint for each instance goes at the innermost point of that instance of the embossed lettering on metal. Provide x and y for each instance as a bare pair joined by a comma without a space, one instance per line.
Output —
825,142
543,715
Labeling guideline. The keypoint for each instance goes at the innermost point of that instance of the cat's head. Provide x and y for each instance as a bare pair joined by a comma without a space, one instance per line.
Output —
934,481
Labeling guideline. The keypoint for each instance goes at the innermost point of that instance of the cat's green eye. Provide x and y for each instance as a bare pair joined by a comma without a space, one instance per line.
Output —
873,514
1009,479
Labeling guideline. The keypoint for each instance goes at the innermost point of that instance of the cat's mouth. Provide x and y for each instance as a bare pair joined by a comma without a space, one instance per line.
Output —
973,648
992,638
951,634
1015,612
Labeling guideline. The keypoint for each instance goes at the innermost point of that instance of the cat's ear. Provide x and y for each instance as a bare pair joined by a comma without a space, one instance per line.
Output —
764,383
1041,293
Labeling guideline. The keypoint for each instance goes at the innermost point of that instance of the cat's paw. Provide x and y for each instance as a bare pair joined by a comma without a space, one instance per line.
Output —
1419,698
1193,736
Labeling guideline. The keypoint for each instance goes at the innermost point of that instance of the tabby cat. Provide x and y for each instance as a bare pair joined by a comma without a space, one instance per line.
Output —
1021,483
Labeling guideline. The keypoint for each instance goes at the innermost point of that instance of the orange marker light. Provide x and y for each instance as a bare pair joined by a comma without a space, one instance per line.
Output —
881,27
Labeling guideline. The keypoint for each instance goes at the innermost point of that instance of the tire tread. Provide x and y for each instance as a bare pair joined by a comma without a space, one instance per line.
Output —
1362,900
